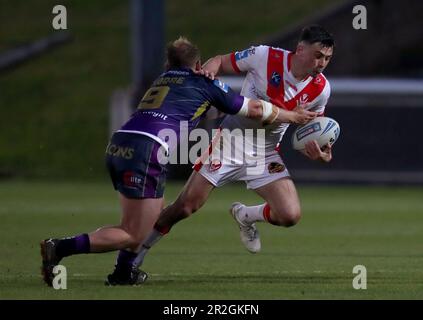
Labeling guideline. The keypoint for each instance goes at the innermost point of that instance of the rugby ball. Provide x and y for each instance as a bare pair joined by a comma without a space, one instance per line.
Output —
322,129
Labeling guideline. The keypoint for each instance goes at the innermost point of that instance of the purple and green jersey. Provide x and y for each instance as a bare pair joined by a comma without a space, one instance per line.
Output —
180,95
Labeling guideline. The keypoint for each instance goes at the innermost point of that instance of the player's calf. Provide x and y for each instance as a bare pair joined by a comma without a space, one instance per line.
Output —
181,209
187,206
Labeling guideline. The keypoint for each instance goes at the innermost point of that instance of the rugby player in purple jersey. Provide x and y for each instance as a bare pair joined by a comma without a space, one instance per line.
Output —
135,152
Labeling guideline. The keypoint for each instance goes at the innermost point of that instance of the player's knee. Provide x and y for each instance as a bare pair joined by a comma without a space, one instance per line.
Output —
132,241
292,220
292,217
132,238
288,217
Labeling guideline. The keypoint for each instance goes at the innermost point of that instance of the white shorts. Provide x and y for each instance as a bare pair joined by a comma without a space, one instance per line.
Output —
219,174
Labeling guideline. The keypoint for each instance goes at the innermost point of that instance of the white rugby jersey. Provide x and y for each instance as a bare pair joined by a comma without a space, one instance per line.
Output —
269,78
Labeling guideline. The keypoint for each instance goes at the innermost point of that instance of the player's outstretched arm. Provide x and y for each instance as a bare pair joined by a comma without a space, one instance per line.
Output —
259,109
269,113
297,116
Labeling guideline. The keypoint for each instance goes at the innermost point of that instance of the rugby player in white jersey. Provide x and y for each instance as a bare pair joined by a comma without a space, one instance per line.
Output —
287,79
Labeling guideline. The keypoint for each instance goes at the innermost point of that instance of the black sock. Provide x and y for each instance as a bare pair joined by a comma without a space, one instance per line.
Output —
125,261
73,245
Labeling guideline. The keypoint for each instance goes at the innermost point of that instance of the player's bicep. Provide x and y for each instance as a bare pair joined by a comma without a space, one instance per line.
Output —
228,64
248,59
224,98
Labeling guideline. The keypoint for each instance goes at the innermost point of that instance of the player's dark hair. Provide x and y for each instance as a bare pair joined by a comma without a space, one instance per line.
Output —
315,33
181,53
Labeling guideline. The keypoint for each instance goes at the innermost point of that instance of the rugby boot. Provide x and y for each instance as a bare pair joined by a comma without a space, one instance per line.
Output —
49,259
133,278
248,231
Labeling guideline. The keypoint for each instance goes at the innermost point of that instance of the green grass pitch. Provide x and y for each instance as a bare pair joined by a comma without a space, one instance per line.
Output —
202,257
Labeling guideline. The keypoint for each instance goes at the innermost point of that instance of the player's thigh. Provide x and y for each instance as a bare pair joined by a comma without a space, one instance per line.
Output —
282,197
139,215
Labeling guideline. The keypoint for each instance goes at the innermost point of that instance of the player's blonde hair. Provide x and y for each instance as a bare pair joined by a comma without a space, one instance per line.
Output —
182,53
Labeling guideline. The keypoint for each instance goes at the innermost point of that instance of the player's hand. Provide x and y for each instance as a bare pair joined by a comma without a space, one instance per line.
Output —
302,116
313,151
205,73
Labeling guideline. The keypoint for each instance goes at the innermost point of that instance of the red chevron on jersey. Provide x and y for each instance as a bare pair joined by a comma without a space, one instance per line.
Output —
275,83
311,91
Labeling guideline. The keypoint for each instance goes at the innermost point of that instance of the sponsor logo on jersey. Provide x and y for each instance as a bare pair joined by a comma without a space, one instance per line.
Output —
221,85
155,114
118,151
215,165
275,167
239,55
131,179
275,79
303,98
307,130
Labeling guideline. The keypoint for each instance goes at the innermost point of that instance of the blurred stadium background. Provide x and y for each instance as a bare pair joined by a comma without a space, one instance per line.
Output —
61,93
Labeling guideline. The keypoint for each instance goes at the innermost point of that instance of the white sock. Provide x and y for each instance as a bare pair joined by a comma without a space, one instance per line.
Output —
151,240
253,213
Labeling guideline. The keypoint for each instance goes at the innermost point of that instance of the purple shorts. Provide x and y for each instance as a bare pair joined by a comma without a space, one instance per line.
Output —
133,166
